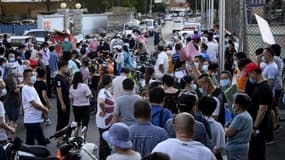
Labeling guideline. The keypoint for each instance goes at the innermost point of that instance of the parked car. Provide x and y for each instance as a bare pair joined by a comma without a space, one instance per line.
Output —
16,41
148,26
189,28
129,27
41,35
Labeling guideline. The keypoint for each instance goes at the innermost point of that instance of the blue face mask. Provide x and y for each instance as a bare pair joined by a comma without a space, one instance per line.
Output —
201,90
205,67
12,59
4,92
33,79
252,81
225,82
14,72
196,65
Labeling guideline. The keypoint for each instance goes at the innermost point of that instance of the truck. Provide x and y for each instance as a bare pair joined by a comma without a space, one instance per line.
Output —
50,22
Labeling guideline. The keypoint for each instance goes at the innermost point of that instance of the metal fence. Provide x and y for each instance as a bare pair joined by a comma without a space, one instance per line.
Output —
276,19
16,29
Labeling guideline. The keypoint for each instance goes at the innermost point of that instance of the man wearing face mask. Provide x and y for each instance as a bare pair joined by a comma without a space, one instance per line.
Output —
3,125
66,47
208,88
34,110
12,99
259,109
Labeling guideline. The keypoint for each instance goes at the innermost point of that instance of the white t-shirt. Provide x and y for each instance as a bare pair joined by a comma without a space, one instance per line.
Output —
116,156
161,59
213,51
3,135
181,150
217,110
31,114
105,121
80,95
117,86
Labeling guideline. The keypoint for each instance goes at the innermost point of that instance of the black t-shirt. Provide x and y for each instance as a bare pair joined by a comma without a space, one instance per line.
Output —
41,86
261,95
62,82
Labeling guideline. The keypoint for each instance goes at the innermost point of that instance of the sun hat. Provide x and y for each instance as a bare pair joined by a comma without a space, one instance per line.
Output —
119,136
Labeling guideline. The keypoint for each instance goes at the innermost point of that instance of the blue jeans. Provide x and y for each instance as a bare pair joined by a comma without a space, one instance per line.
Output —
35,131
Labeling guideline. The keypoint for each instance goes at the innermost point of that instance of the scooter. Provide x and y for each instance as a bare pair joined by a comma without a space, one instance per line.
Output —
16,150
74,147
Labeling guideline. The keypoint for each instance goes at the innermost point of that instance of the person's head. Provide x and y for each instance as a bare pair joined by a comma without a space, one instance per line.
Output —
225,79
142,110
213,67
157,156
156,95
167,80
205,83
119,136
183,125
186,81
74,54
253,71
198,61
207,105
21,48
45,46
11,57
277,49
125,48
231,44
28,54
126,71
106,80
40,56
178,46
243,62
241,102
41,73
160,48
238,56
29,78
128,84
268,54
62,65
77,78
51,48
12,69
187,103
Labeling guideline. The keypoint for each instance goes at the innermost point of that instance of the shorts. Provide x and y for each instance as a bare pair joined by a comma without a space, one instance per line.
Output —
12,113
81,115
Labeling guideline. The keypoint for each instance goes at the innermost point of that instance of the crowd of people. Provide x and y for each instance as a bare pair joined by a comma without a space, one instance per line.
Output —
185,112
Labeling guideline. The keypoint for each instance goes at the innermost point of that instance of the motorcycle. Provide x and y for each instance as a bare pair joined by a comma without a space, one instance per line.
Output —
74,147
16,150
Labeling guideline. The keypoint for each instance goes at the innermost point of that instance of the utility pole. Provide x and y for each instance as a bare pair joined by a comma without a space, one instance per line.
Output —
150,7
222,34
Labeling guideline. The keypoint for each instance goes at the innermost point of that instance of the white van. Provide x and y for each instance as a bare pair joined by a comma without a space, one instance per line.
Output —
149,26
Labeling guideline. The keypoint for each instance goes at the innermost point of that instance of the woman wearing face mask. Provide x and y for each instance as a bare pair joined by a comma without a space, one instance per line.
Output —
187,85
229,54
225,80
239,131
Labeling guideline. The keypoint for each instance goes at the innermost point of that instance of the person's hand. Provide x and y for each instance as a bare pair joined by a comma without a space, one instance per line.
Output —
102,114
45,110
45,115
63,107
13,130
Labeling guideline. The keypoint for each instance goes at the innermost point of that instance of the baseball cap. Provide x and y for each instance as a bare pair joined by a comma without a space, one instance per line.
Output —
251,67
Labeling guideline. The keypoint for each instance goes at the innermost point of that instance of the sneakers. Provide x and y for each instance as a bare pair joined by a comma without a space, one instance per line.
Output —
48,122
277,129
270,142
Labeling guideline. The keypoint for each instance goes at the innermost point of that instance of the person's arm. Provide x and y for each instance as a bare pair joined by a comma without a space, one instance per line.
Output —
161,68
39,106
230,132
102,106
271,82
5,126
45,97
195,71
60,98
260,115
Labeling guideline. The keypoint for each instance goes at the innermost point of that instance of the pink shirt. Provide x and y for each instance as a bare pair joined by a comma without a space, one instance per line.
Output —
80,95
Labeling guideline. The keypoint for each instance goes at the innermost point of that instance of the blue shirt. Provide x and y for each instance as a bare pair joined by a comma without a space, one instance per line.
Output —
145,136
242,123
53,62
156,111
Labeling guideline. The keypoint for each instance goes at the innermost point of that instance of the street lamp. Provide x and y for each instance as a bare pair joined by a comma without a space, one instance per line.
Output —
77,5
63,5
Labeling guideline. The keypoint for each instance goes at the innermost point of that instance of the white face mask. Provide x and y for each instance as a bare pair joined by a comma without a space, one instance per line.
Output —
66,39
